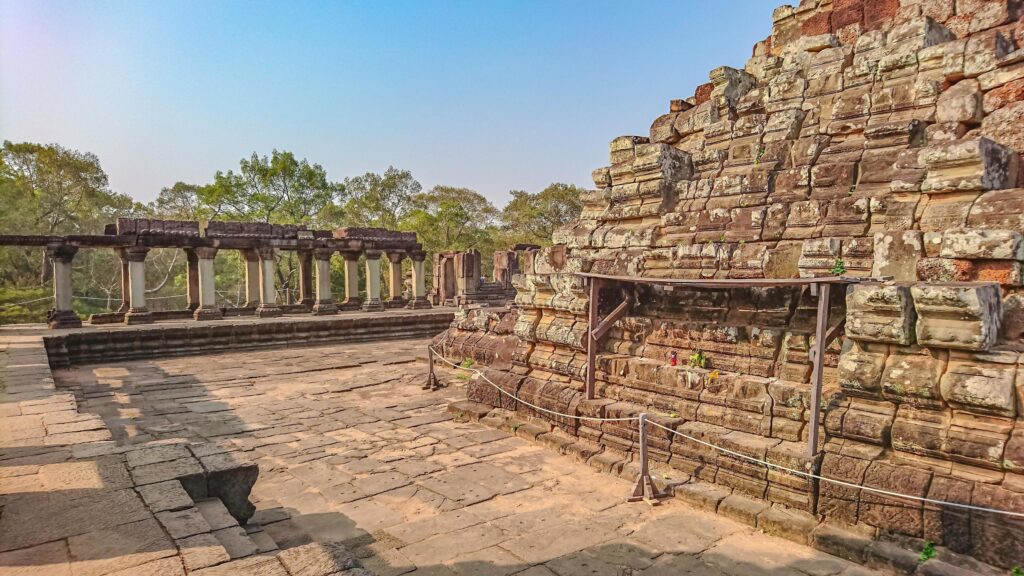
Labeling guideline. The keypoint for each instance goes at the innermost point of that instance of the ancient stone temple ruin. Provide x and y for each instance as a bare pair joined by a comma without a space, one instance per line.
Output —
459,280
864,140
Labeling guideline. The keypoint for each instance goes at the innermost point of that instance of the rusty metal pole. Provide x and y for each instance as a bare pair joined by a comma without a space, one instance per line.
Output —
644,489
431,377
595,291
818,358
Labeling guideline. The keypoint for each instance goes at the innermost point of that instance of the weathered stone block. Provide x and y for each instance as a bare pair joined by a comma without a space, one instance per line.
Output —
977,384
961,103
1002,126
912,375
860,368
996,538
897,515
868,421
982,243
880,313
961,316
975,164
897,254
946,525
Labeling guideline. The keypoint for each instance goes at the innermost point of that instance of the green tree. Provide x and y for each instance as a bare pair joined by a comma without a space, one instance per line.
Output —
49,189
279,189
380,200
450,218
180,202
533,218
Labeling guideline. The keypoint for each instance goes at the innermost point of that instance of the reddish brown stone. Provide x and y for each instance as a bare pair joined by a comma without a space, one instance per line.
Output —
946,525
847,16
820,23
703,93
896,515
877,12
997,539
1005,272
1008,93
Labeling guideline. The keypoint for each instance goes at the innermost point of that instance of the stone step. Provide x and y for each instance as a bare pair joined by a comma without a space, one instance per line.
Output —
237,541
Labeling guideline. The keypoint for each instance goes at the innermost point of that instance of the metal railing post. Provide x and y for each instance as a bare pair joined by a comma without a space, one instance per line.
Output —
431,377
645,488
818,360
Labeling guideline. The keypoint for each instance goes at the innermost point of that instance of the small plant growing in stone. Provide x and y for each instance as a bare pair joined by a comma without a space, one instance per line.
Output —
927,553
698,359
467,363
1017,571
838,267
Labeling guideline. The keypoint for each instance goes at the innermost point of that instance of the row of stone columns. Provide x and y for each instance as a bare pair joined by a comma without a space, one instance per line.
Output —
324,303
261,293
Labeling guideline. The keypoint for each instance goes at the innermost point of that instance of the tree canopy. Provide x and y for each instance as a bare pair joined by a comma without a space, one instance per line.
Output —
534,217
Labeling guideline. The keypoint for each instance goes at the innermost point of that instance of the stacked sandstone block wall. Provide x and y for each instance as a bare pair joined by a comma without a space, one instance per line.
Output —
868,138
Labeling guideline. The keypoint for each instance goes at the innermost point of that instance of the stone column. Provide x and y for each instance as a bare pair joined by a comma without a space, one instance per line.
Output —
192,272
63,315
373,302
322,263
125,286
137,311
419,282
395,280
268,307
207,308
352,300
306,297
252,278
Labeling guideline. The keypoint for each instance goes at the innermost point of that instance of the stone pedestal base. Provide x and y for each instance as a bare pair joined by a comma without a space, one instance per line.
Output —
351,304
268,311
65,319
395,303
134,316
373,305
208,314
324,309
418,304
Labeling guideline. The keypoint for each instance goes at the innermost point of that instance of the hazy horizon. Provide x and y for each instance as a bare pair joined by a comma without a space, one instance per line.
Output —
489,96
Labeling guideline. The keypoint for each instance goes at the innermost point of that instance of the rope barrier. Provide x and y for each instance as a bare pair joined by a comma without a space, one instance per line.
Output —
839,482
521,401
94,298
118,299
739,455
26,302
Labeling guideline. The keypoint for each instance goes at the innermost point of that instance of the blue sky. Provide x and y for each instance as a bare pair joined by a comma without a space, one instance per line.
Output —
490,95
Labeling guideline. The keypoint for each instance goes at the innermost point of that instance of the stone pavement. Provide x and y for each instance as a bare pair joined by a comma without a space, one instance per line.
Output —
351,451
